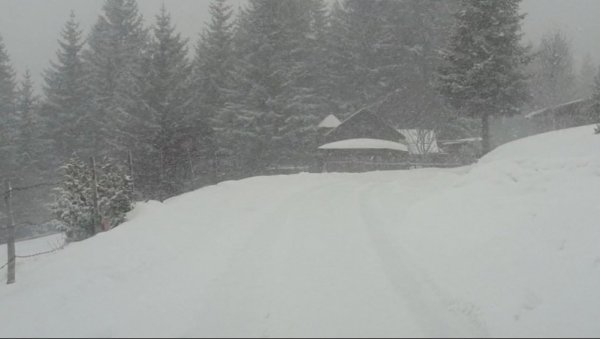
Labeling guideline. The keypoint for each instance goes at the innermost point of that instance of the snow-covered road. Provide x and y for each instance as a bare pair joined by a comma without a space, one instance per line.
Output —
319,262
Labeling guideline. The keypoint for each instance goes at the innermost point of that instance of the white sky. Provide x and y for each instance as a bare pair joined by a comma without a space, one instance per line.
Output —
30,28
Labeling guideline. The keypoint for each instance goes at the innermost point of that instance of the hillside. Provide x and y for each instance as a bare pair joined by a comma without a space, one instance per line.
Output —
507,247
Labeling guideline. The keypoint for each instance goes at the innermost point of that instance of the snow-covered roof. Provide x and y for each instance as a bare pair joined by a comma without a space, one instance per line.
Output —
366,144
459,141
331,121
549,109
420,141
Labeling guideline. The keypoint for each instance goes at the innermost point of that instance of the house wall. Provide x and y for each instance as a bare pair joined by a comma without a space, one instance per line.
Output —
363,160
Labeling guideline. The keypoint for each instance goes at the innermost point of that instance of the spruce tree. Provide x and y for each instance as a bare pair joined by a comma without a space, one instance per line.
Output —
303,101
213,81
421,28
339,61
73,205
170,99
8,123
383,55
64,107
115,196
272,114
29,141
357,57
483,71
7,82
214,60
114,61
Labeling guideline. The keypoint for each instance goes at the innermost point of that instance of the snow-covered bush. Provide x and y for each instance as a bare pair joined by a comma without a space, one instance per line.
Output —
114,193
74,199
73,203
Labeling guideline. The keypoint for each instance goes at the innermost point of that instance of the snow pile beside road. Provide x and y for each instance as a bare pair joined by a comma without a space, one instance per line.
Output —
516,241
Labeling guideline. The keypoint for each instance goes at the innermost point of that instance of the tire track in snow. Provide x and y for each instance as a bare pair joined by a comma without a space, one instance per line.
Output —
426,299
253,265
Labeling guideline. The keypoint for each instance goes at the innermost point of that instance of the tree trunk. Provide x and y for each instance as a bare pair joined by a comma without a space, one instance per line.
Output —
10,277
485,134
96,223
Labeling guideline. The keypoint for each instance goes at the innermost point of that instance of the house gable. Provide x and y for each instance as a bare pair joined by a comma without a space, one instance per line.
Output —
364,125
331,121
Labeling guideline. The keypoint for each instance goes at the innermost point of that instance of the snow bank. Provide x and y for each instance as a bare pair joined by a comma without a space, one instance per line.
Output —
516,240
508,247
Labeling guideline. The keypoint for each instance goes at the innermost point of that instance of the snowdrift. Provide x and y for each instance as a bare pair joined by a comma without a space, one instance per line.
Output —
508,247
515,242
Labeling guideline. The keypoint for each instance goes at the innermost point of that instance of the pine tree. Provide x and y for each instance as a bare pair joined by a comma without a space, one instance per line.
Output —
275,90
383,55
213,80
29,141
483,72
182,140
214,60
169,99
115,196
246,122
73,205
355,42
302,101
169,72
114,63
64,107
7,82
339,61
553,81
8,124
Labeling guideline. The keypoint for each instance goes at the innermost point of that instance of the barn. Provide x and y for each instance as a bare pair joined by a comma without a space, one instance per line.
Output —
363,142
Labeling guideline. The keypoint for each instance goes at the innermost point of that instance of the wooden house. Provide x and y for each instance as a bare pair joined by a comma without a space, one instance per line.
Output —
363,142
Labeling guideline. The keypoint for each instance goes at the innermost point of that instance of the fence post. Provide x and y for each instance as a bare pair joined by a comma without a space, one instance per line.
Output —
190,163
10,277
95,226
131,173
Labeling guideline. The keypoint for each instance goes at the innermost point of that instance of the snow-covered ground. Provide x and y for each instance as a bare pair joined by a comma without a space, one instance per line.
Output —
508,247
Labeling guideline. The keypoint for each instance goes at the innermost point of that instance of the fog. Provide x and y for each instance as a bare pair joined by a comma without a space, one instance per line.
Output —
577,18
30,27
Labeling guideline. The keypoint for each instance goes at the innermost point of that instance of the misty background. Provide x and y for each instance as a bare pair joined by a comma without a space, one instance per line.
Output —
30,27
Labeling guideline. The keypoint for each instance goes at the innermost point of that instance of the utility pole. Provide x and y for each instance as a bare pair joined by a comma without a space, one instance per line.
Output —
10,277
95,226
